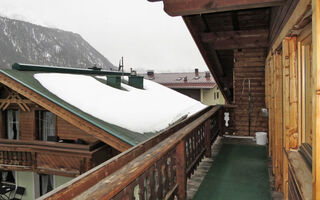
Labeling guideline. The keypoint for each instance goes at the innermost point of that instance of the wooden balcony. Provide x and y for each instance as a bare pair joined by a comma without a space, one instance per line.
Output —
157,168
51,157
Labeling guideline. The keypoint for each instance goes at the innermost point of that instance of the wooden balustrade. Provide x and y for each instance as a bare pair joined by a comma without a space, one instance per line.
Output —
16,158
159,171
48,157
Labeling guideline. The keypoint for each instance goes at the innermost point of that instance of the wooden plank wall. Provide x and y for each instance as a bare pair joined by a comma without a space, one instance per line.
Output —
27,127
282,103
249,65
28,132
65,130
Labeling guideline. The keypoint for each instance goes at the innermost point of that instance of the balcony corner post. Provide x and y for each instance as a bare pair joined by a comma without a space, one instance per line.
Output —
181,170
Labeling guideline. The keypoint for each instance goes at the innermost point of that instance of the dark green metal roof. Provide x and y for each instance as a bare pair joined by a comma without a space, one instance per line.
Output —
27,79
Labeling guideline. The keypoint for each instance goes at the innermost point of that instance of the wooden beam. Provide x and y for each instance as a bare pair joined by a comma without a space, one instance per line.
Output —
217,63
236,39
181,170
316,97
188,20
234,35
192,7
296,16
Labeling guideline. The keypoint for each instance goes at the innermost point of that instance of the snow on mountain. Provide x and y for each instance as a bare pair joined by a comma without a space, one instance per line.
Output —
24,42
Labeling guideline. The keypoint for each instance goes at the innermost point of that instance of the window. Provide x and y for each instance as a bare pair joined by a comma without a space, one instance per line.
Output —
12,124
214,95
46,124
46,183
8,177
217,95
305,51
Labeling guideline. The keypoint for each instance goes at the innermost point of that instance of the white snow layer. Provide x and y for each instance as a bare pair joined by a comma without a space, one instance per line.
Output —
150,110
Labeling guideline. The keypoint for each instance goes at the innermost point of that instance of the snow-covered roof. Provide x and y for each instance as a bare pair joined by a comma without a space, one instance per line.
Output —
133,115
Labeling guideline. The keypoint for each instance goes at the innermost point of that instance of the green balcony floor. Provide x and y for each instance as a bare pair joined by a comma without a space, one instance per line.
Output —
239,172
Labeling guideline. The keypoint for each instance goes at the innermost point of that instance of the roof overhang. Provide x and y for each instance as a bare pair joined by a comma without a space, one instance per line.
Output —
193,7
220,27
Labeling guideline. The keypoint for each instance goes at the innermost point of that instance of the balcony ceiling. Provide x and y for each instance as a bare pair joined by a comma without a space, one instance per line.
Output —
219,27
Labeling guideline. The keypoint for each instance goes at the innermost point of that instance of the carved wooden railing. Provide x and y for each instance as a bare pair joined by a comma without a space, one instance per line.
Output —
155,169
21,158
65,159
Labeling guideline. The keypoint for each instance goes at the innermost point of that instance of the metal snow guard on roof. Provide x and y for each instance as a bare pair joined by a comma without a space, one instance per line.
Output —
43,68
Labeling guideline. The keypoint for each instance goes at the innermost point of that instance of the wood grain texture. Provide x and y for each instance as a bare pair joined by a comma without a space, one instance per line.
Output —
249,64
316,97
181,7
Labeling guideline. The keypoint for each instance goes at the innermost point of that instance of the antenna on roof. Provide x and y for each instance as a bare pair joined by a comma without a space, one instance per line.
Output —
121,65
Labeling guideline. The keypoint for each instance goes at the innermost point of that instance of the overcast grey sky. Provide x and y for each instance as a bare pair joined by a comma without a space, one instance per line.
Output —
138,30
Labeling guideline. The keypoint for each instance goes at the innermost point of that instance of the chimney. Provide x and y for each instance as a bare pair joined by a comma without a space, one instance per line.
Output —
185,79
196,72
114,81
207,75
136,81
150,74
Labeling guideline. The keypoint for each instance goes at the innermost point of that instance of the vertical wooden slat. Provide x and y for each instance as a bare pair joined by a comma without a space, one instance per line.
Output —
221,121
152,183
159,180
207,138
278,119
293,81
272,116
181,170
316,97
286,114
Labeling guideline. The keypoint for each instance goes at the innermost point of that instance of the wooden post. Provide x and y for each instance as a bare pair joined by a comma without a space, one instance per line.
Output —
278,119
286,112
221,121
272,116
207,133
316,98
293,97
34,160
181,170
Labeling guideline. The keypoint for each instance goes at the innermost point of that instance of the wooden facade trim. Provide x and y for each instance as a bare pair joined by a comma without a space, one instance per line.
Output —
64,114
191,7
302,7
316,97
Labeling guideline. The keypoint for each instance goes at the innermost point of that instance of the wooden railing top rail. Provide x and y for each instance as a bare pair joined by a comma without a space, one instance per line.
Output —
22,145
93,176
113,184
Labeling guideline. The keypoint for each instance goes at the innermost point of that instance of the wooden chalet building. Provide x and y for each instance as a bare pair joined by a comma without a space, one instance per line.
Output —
269,46
197,85
45,141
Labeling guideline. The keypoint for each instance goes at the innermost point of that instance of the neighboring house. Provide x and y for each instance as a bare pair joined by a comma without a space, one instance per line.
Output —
57,123
197,85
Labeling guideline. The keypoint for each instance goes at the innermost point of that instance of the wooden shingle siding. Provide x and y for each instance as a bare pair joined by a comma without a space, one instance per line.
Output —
249,64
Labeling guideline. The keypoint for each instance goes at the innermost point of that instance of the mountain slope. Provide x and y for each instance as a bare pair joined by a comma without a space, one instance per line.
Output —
29,43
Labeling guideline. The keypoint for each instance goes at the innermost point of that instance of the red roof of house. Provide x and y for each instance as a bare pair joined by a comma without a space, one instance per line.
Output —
183,80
